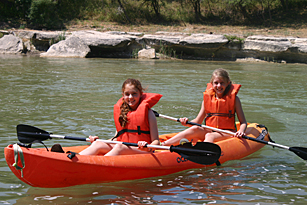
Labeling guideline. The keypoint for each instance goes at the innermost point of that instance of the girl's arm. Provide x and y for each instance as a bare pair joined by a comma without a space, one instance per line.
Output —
201,115
241,118
199,119
153,126
154,134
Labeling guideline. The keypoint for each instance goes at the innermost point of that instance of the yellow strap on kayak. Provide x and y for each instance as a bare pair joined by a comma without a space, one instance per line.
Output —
18,150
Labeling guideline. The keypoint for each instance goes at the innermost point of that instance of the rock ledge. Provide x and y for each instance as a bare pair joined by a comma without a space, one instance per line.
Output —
90,43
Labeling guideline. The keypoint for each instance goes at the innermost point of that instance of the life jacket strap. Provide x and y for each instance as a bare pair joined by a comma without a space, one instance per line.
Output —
139,131
230,115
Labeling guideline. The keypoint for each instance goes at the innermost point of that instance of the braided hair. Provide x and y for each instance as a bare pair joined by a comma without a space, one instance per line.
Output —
125,108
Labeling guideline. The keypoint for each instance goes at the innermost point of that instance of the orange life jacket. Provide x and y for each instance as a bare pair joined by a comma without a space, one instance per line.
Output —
220,113
137,128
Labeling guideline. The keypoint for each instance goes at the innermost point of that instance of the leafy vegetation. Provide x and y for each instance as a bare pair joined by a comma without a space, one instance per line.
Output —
43,13
55,14
234,38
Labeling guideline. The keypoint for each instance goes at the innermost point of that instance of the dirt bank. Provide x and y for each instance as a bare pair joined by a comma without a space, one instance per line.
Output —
240,31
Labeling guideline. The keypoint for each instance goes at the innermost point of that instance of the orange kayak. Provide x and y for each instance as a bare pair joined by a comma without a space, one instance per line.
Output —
47,169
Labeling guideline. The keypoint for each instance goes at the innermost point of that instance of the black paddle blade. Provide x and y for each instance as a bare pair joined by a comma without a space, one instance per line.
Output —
299,151
202,153
30,134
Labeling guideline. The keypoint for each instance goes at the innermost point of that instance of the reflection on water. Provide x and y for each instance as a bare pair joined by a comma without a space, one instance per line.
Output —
76,96
257,183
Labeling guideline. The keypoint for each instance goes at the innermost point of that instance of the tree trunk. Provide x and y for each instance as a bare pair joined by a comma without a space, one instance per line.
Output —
155,5
121,6
284,4
196,7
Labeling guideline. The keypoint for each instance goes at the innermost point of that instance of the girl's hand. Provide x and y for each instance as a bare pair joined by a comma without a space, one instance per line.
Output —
142,146
93,138
239,134
184,121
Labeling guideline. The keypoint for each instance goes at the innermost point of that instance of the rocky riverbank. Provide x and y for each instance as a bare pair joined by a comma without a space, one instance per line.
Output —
113,44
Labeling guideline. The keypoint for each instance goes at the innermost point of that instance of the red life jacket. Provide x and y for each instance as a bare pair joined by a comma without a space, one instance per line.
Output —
137,128
220,113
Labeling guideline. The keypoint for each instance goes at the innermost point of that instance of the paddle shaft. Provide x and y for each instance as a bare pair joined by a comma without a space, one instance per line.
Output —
109,141
88,140
225,131
171,148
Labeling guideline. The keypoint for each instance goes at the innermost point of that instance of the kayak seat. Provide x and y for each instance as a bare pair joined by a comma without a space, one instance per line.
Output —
57,148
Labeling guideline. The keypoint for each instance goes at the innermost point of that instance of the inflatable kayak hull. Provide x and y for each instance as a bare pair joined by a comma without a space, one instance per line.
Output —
47,169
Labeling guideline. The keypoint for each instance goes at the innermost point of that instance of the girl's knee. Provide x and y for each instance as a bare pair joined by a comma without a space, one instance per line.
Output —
119,146
209,137
97,144
100,146
196,129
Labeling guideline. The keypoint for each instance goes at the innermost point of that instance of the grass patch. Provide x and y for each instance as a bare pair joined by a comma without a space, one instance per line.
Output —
234,38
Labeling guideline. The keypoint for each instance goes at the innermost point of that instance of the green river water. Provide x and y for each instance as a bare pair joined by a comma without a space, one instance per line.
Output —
76,96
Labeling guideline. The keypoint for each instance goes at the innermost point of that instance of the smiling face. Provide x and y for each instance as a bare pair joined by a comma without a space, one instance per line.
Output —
219,85
132,96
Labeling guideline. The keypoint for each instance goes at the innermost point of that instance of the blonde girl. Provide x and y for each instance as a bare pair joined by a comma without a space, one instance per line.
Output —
218,109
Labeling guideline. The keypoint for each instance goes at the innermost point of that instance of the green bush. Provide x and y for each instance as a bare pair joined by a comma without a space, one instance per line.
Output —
15,9
52,14
44,15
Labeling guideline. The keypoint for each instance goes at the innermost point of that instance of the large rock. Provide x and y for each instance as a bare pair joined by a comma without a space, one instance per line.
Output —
276,49
202,45
10,44
299,45
161,39
5,32
103,40
71,47
204,41
147,53
268,44
196,45
41,40
105,44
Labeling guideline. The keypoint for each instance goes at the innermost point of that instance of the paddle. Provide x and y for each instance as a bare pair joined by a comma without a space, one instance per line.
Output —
299,151
202,153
